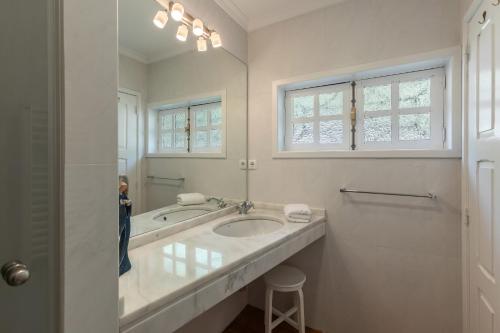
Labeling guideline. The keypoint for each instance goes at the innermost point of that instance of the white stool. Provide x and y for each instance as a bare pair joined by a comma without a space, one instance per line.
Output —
285,279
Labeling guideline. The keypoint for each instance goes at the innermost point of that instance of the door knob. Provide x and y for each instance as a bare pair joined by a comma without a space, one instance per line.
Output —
15,273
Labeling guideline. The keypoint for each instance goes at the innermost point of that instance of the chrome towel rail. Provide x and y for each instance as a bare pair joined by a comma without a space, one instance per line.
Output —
167,178
428,195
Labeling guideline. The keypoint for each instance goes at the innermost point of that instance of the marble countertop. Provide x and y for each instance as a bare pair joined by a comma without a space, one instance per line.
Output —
165,270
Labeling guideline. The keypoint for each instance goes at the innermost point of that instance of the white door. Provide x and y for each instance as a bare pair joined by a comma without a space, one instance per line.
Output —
484,169
29,169
127,142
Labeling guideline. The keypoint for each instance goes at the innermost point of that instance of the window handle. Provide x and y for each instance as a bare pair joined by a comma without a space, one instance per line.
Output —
484,17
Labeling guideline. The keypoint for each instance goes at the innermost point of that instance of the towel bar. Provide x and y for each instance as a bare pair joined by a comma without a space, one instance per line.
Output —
167,178
428,195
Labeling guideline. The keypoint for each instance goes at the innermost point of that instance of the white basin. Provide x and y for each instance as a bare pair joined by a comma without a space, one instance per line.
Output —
248,226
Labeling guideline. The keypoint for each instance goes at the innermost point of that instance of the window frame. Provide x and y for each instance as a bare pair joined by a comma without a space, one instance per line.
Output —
174,130
152,125
450,59
436,142
316,118
194,128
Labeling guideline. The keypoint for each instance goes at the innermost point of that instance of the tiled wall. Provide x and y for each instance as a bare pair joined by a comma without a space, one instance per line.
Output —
386,264
90,189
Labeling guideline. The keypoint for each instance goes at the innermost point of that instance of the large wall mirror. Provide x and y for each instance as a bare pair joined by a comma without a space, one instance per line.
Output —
182,119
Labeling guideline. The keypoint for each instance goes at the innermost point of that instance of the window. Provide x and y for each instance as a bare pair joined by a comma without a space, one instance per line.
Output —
189,128
404,111
206,129
401,111
317,118
172,130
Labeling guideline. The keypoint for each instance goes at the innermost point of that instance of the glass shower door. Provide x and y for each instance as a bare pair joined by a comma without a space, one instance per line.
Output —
29,167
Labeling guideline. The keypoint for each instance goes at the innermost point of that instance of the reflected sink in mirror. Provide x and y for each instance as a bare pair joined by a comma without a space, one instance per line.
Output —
180,214
249,226
167,216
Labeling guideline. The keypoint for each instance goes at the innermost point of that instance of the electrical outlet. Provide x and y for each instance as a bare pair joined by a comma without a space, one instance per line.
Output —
252,164
243,164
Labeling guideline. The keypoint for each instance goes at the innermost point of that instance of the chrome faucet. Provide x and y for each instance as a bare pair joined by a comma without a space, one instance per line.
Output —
245,206
220,202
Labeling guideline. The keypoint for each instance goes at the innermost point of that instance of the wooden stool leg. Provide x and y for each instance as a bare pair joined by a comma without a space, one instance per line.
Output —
269,310
300,312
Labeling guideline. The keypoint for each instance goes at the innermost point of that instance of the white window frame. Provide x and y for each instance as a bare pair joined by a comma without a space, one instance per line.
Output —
450,59
436,111
173,131
194,128
317,118
152,125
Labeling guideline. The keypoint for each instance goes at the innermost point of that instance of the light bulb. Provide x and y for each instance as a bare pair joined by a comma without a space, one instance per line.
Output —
161,19
198,27
215,39
177,11
182,33
202,44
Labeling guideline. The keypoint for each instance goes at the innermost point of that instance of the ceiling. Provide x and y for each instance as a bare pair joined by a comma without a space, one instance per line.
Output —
255,14
140,39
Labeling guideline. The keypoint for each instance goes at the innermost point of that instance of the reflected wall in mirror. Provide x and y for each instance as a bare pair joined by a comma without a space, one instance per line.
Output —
181,121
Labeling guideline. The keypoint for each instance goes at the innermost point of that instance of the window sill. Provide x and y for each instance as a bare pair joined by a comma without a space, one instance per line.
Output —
370,154
187,155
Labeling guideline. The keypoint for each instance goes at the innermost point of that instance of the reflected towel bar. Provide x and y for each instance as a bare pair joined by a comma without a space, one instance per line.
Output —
428,195
166,178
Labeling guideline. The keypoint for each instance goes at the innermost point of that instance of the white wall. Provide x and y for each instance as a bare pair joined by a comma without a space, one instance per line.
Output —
193,74
387,264
90,189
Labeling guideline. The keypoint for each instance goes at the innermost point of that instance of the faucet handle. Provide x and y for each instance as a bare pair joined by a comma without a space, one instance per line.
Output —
245,206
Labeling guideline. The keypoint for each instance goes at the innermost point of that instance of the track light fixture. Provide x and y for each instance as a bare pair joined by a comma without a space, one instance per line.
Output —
178,13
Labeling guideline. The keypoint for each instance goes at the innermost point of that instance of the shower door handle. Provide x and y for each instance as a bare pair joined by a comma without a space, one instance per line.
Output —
15,273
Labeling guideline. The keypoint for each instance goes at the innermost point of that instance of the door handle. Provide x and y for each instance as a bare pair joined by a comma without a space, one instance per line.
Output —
15,273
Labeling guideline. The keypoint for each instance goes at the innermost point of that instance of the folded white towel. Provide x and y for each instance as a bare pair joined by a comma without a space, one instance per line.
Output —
185,199
296,220
298,210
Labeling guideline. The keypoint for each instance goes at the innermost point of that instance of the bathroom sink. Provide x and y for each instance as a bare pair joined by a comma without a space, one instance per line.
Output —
248,226
181,214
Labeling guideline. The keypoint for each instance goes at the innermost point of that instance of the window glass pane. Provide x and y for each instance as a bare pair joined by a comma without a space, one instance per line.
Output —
180,140
201,118
216,116
331,104
201,139
415,126
331,131
180,120
415,94
166,140
303,106
302,133
215,138
377,129
166,122
377,98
